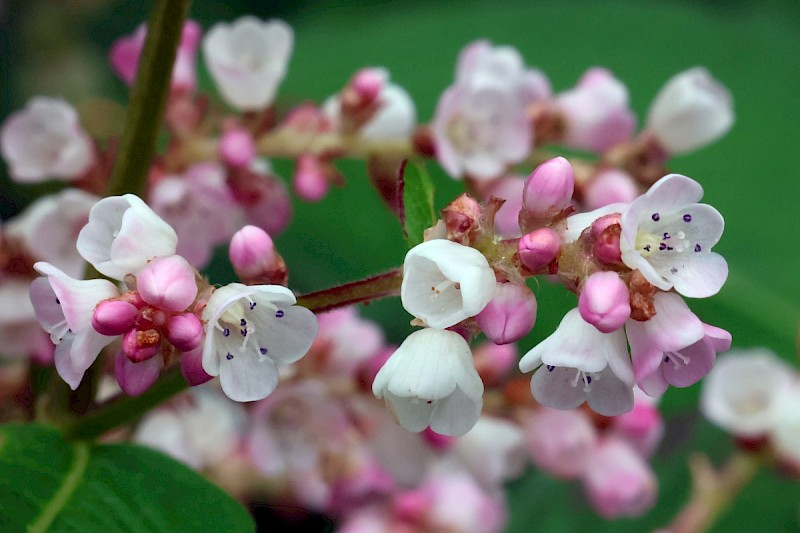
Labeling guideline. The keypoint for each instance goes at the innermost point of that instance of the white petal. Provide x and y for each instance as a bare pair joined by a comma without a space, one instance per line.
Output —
556,388
702,277
287,339
577,344
610,396
412,413
246,378
456,414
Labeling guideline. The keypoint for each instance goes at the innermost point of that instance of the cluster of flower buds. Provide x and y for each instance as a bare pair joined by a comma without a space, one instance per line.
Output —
755,395
239,332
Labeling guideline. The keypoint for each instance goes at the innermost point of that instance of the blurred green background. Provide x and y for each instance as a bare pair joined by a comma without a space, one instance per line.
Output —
751,175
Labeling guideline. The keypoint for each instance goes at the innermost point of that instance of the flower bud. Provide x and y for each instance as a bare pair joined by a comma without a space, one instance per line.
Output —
608,187
642,427
539,248
310,182
606,233
494,361
136,378
510,315
461,216
192,367
114,317
549,188
251,251
185,331
236,148
168,283
368,83
559,441
141,345
618,481
691,110
604,301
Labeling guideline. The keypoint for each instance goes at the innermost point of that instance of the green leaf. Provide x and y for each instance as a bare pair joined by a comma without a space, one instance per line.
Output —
417,212
49,484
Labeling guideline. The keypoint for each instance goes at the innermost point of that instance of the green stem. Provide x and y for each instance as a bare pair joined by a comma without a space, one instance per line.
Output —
148,98
123,409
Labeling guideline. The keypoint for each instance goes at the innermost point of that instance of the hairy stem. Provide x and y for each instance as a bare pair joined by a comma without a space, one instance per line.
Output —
713,491
148,98
374,288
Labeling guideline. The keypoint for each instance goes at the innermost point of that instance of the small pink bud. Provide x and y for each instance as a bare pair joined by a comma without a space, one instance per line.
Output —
610,186
510,315
642,427
494,361
606,233
185,331
114,317
559,441
141,345
236,148
605,301
136,378
412,505
368,83
192,367
252,252
310,182
168,283
549,188
436,440
539,248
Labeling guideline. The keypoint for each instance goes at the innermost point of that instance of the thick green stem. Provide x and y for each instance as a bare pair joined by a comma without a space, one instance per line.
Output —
123,409
148,98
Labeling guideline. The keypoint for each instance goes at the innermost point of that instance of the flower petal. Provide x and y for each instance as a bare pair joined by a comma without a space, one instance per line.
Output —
245,378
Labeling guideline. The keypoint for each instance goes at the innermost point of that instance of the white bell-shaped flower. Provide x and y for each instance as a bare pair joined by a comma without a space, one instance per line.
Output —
445,282
248,60
431,381
250,330
691,110
123,234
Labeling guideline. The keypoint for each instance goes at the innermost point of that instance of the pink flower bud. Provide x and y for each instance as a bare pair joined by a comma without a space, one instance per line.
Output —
192,367
310,182
606,233
642,427
549,188
251,252
136,378
618,481
368,83
168,283
559,441
608,187
141,345
539,248
236,148
493,361
605,301
185,331
510,315
114,317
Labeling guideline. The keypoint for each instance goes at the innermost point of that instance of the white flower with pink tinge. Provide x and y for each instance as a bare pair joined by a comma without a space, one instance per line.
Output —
44,141
250,330
431,381
64,307
122,235
578,363
247,60
668,236
480,125
674,347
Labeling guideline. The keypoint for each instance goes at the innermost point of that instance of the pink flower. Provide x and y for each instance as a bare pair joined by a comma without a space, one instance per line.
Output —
668,237
45,141
559,442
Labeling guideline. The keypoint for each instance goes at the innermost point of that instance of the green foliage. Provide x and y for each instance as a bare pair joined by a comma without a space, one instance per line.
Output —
49,484
418,214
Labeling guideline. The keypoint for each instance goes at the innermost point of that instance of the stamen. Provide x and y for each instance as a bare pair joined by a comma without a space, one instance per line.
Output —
687,217
656,217
229,356
243,322
279,313
226,332
697,248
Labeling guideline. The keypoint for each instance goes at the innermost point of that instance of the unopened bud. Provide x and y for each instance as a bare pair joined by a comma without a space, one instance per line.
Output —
236,148
510,315
310,182
494,361
539,248
185,331
606,233
368,83
559,441
461,216
549,188
608,187
604,301
642,427
136,378
114,317
192,367
252,254
168,283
